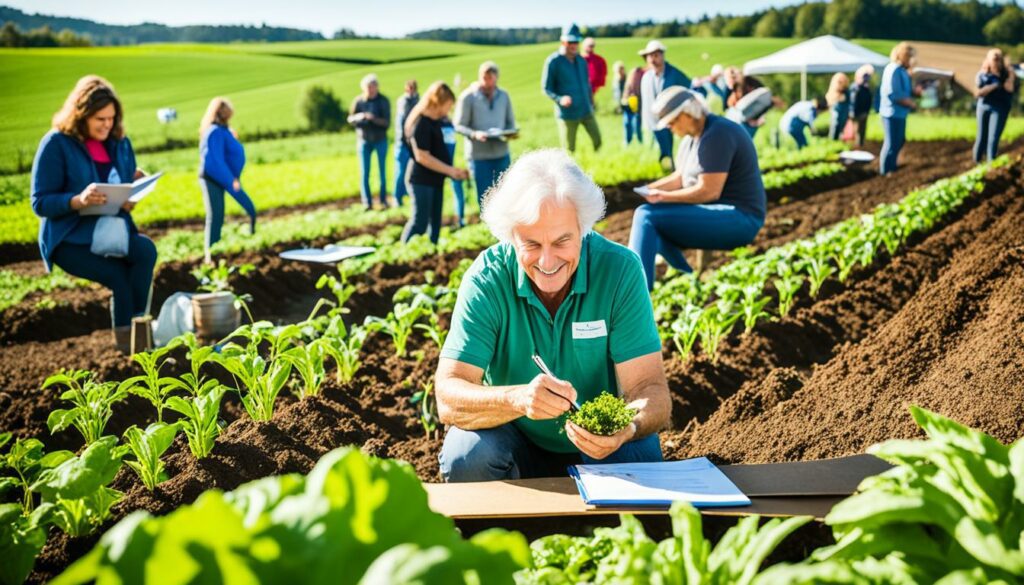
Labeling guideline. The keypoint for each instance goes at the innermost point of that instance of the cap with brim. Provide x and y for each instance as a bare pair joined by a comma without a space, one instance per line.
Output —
571,34
669,104
652,47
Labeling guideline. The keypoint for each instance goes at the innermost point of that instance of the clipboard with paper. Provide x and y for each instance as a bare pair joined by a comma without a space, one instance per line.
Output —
118,193
697,481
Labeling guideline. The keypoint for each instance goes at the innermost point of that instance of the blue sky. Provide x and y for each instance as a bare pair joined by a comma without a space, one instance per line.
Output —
385,17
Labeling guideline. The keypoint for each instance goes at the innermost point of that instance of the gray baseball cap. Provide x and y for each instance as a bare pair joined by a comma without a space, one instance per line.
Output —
669,104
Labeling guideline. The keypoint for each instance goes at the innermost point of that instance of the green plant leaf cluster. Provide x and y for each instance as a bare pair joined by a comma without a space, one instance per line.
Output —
604,415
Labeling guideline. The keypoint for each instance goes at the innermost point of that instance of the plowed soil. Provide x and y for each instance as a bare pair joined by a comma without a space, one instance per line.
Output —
938,325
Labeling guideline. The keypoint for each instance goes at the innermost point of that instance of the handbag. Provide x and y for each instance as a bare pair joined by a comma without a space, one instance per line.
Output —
110,237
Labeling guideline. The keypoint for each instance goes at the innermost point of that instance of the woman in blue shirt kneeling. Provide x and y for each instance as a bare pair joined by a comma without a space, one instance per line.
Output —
87,146
221,160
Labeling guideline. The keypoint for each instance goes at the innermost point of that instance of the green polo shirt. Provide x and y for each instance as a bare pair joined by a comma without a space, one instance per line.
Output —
606,319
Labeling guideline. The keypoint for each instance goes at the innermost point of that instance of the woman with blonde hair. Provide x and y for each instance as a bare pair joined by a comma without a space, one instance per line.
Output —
221,160
432,161
87,146
896,95
996,84
838,98
861,101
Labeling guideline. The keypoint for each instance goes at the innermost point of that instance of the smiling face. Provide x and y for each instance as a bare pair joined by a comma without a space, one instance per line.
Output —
98,125
549,249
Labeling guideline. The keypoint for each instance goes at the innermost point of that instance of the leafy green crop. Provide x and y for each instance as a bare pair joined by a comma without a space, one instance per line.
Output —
92,402
148,446
199,419
352,520
26,460
150,385
604,415
398,325
260,378
308,361
627,555
76,490
344,346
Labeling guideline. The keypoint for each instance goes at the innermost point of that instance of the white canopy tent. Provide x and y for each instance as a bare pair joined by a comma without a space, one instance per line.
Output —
826,54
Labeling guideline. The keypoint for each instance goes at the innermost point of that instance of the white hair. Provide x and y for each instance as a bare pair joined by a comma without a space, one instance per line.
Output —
488,67
367,79
537,177
695,107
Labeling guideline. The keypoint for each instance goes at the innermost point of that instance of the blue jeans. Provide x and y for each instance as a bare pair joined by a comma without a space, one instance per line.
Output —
129,278
402,157
460,194
991,122
504,452
213,200
631,125
798,134
486,173
427,203
666,228
895,132
664,139
366,151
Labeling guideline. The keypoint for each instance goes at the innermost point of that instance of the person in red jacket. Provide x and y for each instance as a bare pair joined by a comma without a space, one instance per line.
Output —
596,65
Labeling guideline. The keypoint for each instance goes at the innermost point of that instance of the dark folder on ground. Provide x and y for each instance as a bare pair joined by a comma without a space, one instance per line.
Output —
774,489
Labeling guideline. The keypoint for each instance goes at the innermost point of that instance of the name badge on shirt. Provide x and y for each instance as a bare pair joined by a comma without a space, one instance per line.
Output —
589,330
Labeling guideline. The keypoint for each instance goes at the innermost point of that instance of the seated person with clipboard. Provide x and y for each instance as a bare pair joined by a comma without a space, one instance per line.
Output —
84,153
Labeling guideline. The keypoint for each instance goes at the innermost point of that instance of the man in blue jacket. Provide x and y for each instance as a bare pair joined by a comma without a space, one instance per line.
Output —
567,82
660,75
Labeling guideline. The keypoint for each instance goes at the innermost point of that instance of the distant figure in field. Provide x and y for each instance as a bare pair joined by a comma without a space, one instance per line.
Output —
799,117
432,161
715,82
740,85
87,146
660,75
484,107
996,86
618,84
451,141
597,67
371,116
838,98
632,106
896,100
714,200
402,152
862,99
566,80
221,160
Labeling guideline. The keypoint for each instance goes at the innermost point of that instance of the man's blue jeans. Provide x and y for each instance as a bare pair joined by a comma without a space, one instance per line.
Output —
504,452
991,122
666,228
459,192
895,131
366,150
427,204
486,173
797,131
402,157
632,126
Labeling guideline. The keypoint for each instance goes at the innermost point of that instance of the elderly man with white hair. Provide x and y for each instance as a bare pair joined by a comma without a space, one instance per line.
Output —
715,199
551,287
371,115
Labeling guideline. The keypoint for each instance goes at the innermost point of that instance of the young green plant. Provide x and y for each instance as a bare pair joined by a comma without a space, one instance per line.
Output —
150,385
77,488
148,446
344,346
199,419
604,415
92,402
25,460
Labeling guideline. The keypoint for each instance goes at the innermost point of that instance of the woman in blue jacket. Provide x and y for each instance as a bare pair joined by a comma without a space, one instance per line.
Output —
221,160
896,95
996,84
87,146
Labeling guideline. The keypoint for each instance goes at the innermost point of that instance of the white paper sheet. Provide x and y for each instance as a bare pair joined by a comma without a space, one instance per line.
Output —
328,255
697,481
118,193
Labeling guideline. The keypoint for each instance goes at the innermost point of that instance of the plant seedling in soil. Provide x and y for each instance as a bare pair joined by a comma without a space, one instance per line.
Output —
818,271
604,415
26,461
199,421
77,488
715,323
685,330
432,329
193,381
150,385
787,287
148,446
398,324
344,348
428,409
753,303
340,288
308,361
92,402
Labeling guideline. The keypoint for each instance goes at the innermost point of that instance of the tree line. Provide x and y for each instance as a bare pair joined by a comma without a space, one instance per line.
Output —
12,37
951,21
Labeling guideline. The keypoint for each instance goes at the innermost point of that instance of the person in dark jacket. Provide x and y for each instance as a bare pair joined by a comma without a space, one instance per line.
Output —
221,160
862,101
566,81
371,116
87,146
996,85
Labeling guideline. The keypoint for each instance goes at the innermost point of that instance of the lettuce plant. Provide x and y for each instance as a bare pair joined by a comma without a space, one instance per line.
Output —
77,488
308,361
147,447
199,419
25,460
92,402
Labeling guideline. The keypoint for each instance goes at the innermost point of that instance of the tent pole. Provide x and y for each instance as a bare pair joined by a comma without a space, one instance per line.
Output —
803,84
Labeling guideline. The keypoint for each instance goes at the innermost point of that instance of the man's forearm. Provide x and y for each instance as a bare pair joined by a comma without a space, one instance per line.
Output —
696,194
472,406
654,409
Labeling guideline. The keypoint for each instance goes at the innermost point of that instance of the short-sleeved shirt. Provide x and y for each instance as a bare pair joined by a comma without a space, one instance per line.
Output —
725,147
606,319
998,98
799,116
895,87
428,134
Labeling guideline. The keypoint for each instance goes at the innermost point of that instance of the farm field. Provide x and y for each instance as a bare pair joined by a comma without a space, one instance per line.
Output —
861,297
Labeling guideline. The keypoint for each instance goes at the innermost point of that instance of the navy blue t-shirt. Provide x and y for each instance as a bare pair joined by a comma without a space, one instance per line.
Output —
725,147
998,98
